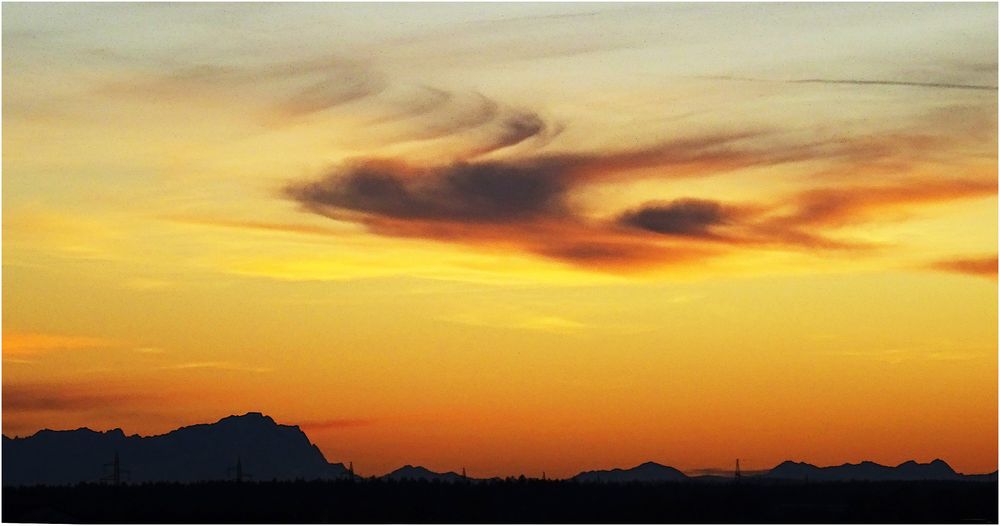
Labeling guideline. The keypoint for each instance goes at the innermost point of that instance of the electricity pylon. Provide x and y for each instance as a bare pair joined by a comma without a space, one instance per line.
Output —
237,471
116,471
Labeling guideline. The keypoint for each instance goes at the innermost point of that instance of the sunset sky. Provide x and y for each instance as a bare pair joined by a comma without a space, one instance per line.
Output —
509,237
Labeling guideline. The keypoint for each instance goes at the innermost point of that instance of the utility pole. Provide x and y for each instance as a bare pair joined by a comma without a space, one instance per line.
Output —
738,475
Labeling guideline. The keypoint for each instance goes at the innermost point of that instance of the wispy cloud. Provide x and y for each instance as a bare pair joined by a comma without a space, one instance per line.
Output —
215,365
27,343
335,423
294,228
149,350
519,321
860,82
900,355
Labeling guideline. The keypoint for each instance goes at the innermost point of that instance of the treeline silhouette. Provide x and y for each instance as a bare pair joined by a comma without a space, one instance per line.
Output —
509,500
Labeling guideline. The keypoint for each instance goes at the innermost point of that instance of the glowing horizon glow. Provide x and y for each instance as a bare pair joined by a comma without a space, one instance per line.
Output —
511,237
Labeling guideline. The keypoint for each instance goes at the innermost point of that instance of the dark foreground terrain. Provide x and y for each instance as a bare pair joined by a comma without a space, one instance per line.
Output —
512,500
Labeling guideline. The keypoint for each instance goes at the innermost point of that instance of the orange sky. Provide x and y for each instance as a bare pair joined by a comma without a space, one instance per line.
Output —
510,238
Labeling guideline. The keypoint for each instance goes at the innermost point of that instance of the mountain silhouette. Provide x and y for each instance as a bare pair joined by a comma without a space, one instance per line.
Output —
266,450
646,472
909,470
409,472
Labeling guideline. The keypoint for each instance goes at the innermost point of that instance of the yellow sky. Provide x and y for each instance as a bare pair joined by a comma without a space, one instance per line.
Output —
513,238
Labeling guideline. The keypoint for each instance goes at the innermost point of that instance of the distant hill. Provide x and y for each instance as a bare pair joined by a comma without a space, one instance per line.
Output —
409,472
647,472
267,451
938,470
910,470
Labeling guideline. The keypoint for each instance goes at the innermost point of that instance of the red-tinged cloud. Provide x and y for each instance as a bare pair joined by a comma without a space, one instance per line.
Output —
978,266
857,204
55,397
335,423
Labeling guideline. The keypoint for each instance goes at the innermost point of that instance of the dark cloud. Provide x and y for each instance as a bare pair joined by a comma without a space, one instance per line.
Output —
501,191
683,217
485,192
520,205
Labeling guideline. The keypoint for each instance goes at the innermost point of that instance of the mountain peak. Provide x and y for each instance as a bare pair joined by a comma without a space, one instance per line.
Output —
793,463
253,416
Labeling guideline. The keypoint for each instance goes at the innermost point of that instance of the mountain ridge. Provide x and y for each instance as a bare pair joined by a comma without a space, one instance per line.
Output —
268,450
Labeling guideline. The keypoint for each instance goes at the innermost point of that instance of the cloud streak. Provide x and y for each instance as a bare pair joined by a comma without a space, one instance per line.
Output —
28,343
985,266
335,424
860,82
44,397
215,366
857,82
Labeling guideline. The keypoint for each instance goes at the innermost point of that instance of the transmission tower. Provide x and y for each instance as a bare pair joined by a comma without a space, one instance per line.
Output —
115,477
237,471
